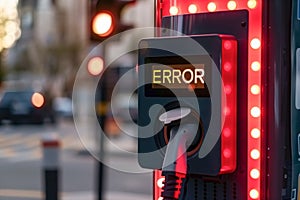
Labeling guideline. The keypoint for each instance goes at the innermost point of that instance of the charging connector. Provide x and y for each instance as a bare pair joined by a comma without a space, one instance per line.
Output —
175,162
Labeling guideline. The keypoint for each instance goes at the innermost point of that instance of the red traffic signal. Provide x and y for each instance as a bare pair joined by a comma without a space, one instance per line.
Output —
105,18
103,24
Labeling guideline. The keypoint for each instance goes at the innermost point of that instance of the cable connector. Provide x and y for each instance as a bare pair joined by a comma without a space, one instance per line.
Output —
175,161
172,185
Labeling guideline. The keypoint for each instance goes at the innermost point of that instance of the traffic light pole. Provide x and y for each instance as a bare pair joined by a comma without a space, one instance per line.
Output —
101,115
100,166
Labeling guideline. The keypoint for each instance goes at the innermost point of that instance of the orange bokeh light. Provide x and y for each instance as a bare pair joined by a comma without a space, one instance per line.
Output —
95,66
37,100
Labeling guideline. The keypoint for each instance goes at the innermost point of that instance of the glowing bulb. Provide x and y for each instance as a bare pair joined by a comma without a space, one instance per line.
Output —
254,173
227,132
227,153
227,89
227,66
160,182
173,10
255,66
231,5
211,7
227,45
255,154
255,112
255,89
255,133
227,111
252,4
255,43
254,194
192,8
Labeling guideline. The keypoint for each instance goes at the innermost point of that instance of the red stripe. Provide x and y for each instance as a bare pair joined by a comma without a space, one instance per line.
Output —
55,143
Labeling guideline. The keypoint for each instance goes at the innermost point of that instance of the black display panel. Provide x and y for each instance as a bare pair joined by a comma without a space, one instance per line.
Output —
172,75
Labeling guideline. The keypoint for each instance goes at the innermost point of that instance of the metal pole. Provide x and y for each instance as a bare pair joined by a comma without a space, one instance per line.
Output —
50,144
101,119
101,115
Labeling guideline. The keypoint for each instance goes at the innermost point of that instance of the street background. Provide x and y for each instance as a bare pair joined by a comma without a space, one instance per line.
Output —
42,45
21,166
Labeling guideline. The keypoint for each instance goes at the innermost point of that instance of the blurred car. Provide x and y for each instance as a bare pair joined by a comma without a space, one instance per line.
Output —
63,107
26,106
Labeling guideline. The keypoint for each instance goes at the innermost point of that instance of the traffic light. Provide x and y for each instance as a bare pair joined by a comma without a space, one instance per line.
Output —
106,18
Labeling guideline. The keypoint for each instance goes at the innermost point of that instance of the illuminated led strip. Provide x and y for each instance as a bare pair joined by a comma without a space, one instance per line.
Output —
229,76
254,73
254,99
177,7
158,184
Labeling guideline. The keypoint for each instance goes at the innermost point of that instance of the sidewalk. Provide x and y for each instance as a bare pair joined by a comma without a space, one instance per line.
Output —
108,196
118,145
85,195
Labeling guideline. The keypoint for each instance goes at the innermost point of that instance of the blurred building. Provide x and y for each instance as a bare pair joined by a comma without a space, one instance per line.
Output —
61,21
55,40
51,46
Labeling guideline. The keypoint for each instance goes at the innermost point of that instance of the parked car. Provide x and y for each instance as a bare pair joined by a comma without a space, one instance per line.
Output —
26,106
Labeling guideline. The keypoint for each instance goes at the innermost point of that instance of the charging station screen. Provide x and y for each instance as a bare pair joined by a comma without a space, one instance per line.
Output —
178,76
167,74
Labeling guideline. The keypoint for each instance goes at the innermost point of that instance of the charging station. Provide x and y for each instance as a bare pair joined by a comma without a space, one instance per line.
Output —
256,155
220,58
185,81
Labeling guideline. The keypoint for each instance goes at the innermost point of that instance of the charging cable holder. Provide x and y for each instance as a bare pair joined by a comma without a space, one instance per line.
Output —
175,161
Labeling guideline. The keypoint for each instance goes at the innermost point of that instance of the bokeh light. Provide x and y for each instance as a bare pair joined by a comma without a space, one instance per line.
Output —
95,66
10,23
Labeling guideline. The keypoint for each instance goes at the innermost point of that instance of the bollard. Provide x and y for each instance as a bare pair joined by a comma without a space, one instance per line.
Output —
50,145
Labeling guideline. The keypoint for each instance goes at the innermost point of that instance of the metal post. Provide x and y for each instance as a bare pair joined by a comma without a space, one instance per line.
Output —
101,119
101,115
50,145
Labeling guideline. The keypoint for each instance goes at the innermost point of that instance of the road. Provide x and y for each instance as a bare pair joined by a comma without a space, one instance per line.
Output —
21,166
